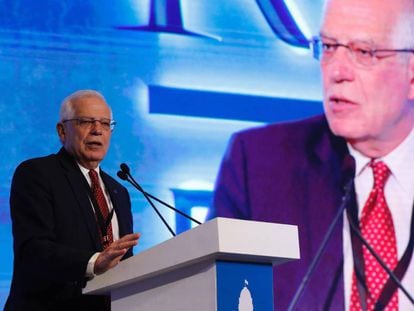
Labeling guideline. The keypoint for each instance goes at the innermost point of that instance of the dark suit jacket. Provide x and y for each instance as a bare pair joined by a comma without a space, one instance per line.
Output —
290,173
55,233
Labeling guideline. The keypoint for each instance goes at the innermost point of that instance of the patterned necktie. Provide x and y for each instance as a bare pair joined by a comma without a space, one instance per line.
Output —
106,237
378,229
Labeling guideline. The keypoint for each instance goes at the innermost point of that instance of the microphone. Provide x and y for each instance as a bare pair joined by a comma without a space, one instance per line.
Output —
122,175
125,171
125,174
348,167
124,168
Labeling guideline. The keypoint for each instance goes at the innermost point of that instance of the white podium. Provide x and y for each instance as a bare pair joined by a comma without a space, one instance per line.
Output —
224,264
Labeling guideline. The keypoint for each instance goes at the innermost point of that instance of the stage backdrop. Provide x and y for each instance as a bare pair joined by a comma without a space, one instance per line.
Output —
181,76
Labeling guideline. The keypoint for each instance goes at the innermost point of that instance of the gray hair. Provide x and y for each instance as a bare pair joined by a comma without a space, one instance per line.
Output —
404,30
403,33
66,108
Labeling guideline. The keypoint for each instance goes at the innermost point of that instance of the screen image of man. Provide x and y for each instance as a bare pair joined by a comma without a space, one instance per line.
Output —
70,219
295,172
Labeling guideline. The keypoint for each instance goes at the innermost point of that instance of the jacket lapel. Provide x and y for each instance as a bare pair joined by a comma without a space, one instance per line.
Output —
330,153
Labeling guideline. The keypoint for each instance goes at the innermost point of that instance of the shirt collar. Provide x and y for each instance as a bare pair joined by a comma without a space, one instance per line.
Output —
399,161
361,161
85,170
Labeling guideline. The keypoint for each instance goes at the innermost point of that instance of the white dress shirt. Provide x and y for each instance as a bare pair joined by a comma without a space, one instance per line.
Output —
114,220
399,193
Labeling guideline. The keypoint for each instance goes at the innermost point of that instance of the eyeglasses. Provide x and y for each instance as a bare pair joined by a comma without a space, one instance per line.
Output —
87,123
360,52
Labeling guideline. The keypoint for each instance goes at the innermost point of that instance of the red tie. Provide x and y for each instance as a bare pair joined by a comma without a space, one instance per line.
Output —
378,229
106,237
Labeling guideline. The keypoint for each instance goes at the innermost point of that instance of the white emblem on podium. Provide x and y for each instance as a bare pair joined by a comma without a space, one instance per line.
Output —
245,298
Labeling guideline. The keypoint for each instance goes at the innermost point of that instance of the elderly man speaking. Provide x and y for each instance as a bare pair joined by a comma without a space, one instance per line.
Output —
70,219
295,172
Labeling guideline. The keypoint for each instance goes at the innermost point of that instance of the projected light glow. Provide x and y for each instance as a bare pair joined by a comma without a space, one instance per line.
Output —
196,185
199,213
299,19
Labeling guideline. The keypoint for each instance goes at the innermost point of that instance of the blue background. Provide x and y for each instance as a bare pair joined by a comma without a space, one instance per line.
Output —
231,277
177,94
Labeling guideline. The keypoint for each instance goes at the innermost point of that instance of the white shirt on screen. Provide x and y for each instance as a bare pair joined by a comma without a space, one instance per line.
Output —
399,193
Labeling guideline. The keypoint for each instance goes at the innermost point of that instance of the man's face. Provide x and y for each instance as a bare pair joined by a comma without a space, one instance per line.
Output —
367,104
87,143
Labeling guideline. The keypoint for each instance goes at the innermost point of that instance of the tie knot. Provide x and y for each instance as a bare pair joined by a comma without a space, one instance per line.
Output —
381,174
94,177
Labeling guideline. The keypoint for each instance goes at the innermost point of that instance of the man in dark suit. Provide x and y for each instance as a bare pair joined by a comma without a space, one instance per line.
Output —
64,233
296,172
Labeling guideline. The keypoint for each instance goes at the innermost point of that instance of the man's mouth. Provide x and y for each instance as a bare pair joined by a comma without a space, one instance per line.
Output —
94,144
340,103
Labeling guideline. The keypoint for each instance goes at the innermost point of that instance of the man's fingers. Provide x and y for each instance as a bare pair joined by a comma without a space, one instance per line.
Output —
130,237
116,253
111,256
108,259
122,245
126,241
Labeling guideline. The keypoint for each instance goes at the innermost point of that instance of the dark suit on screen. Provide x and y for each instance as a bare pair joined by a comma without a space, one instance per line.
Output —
55,233
291,173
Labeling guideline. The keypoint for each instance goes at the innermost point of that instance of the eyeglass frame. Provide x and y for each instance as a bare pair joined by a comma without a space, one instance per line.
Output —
316,45
107,124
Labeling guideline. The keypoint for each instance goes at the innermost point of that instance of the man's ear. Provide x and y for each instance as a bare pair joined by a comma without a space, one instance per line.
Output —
411,77
61,132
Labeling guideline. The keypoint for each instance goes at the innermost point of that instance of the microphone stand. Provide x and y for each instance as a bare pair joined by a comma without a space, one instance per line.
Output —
322,247
380,261
125,175
171,207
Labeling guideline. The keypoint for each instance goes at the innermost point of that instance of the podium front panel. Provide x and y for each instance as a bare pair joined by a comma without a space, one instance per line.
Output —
244,286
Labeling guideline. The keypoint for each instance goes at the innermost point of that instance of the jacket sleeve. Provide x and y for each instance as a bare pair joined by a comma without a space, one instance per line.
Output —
39,252
231,195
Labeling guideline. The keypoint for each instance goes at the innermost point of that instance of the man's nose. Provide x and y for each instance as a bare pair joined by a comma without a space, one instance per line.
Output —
96,127
340,67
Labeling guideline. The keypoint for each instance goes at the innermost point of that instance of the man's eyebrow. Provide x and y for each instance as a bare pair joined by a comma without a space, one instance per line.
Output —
324,36
361,41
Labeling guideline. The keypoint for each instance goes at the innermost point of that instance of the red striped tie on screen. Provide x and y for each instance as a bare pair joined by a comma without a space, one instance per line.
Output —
378,229
106,237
